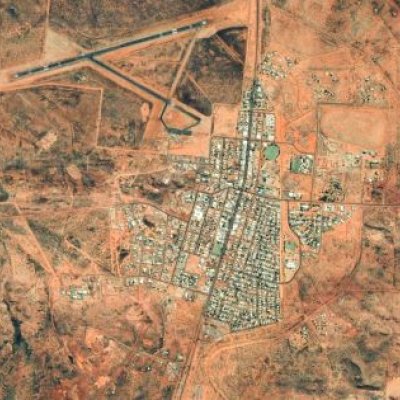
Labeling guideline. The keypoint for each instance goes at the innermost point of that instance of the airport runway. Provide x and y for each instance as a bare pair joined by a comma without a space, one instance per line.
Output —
92,54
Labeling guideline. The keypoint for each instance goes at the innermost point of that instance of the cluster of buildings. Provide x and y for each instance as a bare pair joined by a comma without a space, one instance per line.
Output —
229,247
182,277
152,243
325,85
246,291
328,86
302,164
255,121
87,288
276,66
233,230
206,236
355,175
310,221
372,92
243,258
76,293
235,162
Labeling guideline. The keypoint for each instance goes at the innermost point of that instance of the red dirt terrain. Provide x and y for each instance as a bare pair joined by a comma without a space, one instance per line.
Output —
199,200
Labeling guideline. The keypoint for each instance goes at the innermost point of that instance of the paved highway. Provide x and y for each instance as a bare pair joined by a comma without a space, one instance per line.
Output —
100,52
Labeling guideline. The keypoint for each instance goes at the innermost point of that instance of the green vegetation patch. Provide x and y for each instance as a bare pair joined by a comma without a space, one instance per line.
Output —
272,152
295,165
290,245
218,249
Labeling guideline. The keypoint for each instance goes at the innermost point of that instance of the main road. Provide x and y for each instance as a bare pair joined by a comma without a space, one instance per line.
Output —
255,38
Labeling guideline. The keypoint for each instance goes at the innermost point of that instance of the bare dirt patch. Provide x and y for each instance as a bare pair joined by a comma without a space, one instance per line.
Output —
364,127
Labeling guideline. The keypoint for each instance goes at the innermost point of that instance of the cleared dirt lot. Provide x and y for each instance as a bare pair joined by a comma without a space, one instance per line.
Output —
364,127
